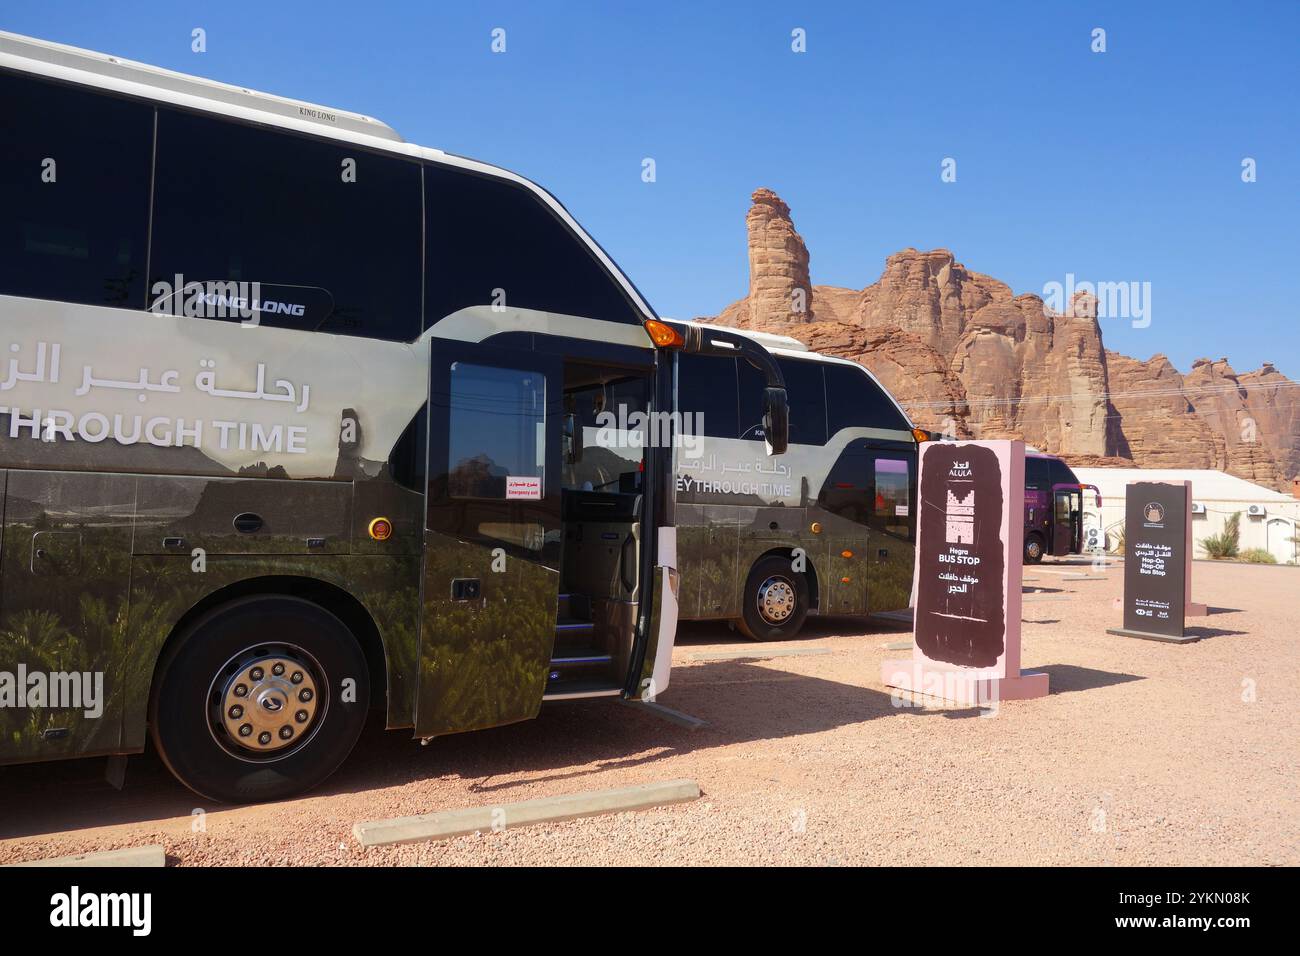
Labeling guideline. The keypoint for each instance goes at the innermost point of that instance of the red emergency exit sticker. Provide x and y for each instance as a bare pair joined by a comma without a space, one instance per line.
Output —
525,487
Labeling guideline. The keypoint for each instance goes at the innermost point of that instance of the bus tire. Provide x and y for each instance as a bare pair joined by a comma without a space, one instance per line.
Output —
260,699
1034,547
775,602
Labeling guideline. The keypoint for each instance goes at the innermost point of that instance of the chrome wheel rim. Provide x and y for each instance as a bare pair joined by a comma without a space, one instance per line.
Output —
1034,550
776,600
267,702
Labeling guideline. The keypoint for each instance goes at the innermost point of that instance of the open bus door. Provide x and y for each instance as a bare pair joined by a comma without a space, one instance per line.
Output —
1067,520
492,538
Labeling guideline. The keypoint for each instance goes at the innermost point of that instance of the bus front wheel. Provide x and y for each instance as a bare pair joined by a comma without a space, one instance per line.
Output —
775,602
260,699
1033,548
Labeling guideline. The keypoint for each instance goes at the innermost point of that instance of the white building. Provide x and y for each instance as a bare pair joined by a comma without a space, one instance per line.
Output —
1269,519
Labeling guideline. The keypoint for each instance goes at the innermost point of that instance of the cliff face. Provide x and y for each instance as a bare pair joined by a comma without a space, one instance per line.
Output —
963,354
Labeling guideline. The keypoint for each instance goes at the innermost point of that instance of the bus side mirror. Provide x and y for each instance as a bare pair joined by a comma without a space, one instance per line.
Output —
572,439
776,420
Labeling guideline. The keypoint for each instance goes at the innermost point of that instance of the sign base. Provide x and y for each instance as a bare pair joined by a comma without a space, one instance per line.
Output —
1148,636
915,676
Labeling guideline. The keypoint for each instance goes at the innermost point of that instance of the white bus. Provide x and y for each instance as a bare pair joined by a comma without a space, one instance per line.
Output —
287,426
828,528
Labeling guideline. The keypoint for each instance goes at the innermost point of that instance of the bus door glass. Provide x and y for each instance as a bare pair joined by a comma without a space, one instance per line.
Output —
1067,511
893,524
492,536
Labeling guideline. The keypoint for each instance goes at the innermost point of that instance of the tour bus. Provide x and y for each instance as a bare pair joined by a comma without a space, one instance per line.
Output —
829,528
294,419
1053,507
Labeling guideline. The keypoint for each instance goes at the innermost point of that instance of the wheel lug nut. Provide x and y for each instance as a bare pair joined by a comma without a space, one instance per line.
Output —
236,712
296,677
301,716
305,695
256,674
245,729
286,732
277,670
264,738
241,690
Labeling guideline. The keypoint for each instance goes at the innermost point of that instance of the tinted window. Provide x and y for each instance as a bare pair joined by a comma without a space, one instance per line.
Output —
1037,473
245,204
707,385
872,488
494,242
847,491
853,400
891,497
1061,473
497,433
807,394
74,193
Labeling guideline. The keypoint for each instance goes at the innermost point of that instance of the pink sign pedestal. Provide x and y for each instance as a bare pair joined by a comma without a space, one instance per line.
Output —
922,677
967,580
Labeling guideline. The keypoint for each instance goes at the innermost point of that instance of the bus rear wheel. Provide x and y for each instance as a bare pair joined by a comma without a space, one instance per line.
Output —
260,699
1033,548
775,602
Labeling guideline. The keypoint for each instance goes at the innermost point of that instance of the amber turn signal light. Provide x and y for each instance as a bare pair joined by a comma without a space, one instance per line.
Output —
920,434
381,529
664,335
846,554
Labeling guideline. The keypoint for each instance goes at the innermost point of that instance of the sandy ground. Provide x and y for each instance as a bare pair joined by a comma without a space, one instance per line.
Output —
1144,753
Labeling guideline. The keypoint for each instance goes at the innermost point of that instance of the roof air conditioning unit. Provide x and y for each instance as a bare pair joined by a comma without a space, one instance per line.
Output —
1198,508
1255,511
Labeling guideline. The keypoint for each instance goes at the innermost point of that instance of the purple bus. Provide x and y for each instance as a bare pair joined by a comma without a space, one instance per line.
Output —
1053,507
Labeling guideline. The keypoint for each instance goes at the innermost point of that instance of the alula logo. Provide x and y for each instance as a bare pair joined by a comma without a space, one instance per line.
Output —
960,469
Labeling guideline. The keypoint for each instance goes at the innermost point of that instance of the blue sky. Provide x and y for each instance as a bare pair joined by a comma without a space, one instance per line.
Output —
1118,166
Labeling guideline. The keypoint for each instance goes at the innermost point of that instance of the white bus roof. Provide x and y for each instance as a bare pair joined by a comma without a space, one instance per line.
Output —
71,64
156,78
768,340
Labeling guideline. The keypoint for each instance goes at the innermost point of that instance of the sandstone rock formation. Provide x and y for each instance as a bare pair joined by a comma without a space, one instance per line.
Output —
780,294
963,354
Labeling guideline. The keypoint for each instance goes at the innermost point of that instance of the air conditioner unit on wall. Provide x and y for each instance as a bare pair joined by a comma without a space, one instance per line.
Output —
1198,508
1255,511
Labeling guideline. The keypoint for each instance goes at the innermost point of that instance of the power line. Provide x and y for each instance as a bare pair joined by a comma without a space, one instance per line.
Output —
1092,396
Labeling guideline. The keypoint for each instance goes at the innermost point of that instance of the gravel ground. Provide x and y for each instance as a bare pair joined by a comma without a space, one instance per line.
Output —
1144,753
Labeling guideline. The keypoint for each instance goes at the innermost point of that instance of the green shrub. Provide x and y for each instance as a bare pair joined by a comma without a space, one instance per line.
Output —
1257,556
1226,543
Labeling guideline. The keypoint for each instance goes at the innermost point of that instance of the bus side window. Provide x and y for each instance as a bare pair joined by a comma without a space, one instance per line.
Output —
237,203
853,400
492,242
1061,473
706,386
1036,473
847,490
891,496
807,394
74,187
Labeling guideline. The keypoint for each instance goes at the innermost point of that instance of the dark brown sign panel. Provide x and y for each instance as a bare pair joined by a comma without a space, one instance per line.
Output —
1155,557
961,557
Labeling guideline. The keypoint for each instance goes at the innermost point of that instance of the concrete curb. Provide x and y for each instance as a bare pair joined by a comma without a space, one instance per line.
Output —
454,823
769,652
130,856
666,713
